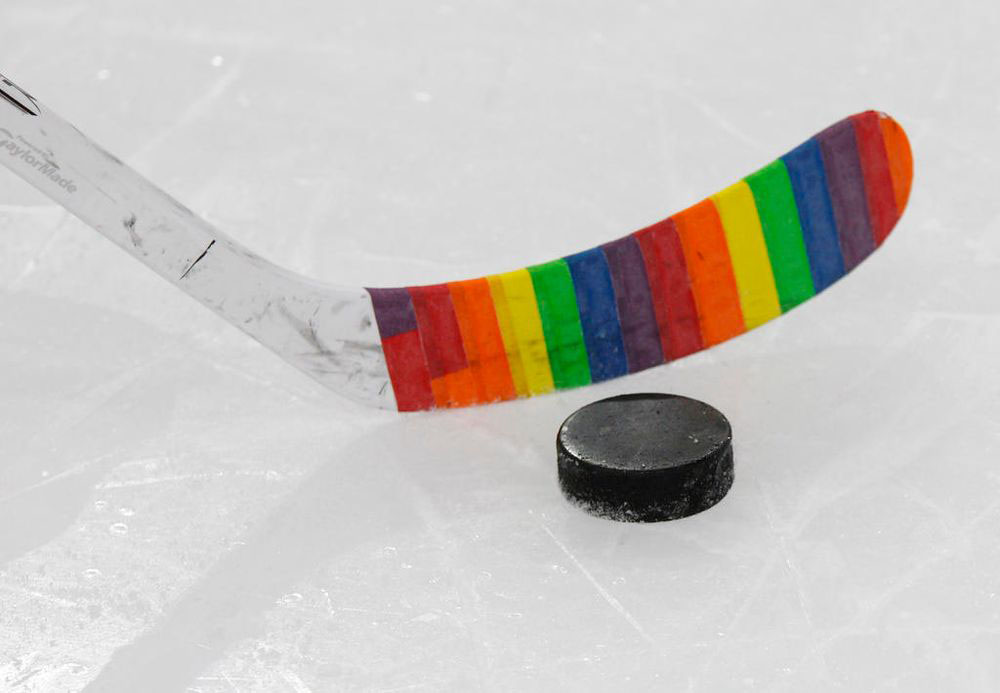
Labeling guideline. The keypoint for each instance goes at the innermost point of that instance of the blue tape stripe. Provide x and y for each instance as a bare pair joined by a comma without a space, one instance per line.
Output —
812,197
595,297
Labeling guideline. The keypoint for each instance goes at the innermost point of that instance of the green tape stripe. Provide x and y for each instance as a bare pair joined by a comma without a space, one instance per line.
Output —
779,219
561,323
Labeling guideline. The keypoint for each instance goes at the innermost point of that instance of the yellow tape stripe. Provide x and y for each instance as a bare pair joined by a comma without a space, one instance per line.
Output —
510,345
748,251
522,333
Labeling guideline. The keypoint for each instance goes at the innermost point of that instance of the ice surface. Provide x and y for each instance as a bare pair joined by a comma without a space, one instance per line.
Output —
180,510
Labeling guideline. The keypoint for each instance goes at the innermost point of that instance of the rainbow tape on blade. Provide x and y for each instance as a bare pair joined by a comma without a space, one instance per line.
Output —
723,266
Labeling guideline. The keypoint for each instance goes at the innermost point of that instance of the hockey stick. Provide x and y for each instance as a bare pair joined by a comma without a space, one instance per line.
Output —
700,277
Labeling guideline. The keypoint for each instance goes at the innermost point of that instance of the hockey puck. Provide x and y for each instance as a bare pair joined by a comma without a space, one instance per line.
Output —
645,457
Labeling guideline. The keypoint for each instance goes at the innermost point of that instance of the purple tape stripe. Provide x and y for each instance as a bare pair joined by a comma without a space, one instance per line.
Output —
635,304
393,311
847,192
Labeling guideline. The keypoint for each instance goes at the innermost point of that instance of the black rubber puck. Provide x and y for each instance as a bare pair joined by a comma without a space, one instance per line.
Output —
645,457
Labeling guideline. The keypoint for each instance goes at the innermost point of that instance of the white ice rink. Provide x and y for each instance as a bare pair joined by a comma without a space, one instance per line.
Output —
182,511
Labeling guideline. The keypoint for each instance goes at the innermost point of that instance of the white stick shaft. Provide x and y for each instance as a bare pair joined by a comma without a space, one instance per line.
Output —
327,331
